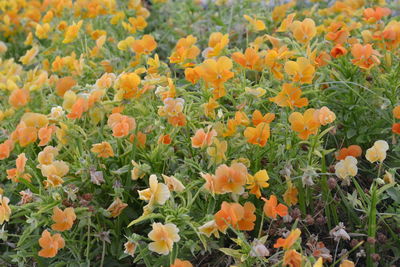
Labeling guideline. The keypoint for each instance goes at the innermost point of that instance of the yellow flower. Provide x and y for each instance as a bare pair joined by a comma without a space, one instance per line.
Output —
377,152
157,193
103,150
5,210
346,168
72,32
258,181
164,237
173,183
301,70
217,152
303,31
42,30
29,56
256,24
257,92
209,228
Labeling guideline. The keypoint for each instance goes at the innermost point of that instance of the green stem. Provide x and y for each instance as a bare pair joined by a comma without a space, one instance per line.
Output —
372,223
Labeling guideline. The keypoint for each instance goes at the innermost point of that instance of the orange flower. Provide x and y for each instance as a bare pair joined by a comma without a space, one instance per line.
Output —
272,208
290,96
304,125
103,150
353,150
303,31
116,207
338,51
337,33
290,195
324,116
201,139
130,248
163,237
24,135
258,118
241,118
164,139
181,263
77,109
5,149
235,215
373,15
249,60
185,50
192,75
258,135
230,179
50,244
216,73
140,137
45,133
396,128
365,56
216,44
54,173
63,219
121,124
19,98
396,112
292,258
64,84
256,24
209,108
301,70
18,172
5,211
71,32
145,45
288,242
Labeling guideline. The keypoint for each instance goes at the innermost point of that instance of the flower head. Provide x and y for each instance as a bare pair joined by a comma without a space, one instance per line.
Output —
63,219
50,244
163,237
377,152
272,208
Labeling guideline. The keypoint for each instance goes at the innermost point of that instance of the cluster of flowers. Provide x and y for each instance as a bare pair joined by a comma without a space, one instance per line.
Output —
63,107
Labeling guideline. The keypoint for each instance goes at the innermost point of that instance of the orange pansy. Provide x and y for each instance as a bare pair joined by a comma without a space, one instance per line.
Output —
50,244
290,96
235,215
63,219
258,135
258,118
230,179
288,242
304,125
353,150
365,56
300,70
202,139
103,150
249,60
272,208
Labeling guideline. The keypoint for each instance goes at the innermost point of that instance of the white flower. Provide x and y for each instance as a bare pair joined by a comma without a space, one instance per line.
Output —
377,152
346,168
56,113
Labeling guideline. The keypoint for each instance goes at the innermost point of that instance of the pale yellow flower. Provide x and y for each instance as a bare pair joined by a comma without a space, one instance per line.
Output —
377,152
164,237
346,168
